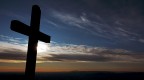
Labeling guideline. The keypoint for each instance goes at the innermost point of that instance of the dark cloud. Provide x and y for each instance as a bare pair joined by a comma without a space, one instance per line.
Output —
95,58
12,48
13,54
97,55
78,57
69,52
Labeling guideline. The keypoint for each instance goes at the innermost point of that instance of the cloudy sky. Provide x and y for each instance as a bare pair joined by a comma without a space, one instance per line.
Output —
86,35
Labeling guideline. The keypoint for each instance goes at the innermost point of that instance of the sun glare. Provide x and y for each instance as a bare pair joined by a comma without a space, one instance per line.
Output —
42,47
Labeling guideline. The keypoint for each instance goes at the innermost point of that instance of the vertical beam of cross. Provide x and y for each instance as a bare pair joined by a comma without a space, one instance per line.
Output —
32,44
34,35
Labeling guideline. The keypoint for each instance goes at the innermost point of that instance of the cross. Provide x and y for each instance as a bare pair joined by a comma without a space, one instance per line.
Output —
34,35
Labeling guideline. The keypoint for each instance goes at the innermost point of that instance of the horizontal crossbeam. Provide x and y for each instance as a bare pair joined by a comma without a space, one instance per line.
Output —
26,30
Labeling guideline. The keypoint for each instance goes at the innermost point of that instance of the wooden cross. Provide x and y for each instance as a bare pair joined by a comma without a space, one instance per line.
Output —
34,35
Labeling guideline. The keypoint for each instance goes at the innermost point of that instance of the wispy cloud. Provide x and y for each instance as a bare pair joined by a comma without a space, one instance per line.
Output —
10,13
50,22
69,52
141,40
96,25
11,39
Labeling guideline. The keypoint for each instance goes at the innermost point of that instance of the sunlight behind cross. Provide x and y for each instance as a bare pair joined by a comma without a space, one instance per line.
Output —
42,47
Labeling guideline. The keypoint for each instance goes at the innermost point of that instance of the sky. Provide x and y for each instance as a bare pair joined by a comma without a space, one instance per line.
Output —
86,35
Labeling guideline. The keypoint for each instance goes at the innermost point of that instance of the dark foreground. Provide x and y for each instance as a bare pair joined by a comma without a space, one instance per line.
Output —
77,76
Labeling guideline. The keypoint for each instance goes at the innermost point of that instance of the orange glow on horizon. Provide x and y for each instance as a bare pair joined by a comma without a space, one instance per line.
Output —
70,67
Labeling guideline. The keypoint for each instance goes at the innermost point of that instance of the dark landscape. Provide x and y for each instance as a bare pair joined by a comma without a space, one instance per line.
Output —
78,75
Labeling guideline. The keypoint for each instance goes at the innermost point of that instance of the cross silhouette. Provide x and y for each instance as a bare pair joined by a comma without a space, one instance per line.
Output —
34,35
